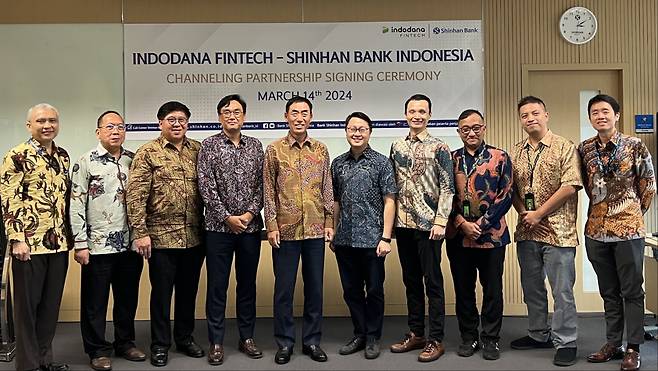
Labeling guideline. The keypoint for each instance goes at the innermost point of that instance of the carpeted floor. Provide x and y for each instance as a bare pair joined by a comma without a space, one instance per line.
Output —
68,349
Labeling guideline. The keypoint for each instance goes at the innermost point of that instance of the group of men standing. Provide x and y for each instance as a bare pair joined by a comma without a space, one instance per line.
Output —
117,208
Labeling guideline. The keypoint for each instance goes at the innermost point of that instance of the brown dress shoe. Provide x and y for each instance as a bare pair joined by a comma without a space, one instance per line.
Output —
134,354
432,351
216,354
101,363
410,342
631,361
608,351
249,348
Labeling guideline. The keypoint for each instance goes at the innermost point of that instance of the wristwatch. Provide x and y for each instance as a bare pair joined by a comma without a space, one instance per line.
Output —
388,240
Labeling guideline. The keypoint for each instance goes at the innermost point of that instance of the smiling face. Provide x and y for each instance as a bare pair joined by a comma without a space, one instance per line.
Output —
299,118
418,114
534,119
43,125
357,133
111,132
471,130
231,117
174,126
603,117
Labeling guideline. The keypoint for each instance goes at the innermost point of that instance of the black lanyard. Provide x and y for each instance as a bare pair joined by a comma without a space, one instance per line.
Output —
532,166
612,165
468,173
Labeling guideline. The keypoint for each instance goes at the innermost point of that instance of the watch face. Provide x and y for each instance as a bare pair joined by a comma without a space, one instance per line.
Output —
578,25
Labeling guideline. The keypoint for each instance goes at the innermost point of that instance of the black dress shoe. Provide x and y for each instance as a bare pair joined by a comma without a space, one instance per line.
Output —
190,349
352,346
283,355
159,357
315,352
55,367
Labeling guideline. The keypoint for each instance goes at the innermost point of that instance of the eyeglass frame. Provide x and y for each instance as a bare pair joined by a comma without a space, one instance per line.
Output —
476,129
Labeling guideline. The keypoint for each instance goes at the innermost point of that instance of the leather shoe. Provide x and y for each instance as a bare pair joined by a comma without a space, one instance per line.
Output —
608,351
410,342
631,361
216,354
101,363
283,355
372,349
354,345
190,349
527,342
565,357
432,351
248,347
315,352
159,357
134,354
55,367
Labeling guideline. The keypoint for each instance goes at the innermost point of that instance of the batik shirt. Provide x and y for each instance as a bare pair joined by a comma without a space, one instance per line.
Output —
359,187
620,183
98,201
424,176
163,194
488,189
558,165
35,190
298,195
231,180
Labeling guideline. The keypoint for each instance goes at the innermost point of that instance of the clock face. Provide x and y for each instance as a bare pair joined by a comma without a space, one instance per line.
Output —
578,25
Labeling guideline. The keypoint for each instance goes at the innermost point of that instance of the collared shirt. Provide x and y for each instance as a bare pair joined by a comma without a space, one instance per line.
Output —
297,189
163,194
231,180
558,165
359,187
98,201
34,188
424,176
620,183
488,190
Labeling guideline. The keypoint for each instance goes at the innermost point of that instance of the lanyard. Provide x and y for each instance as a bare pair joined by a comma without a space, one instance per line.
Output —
478,160
532,166
612,165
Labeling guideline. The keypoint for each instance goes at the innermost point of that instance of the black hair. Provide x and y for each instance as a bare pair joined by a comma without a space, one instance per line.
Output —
227,100
603,98
418,97
359,115
173,106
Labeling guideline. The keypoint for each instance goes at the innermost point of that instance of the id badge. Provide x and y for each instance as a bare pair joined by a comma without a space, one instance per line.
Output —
529,201
466,209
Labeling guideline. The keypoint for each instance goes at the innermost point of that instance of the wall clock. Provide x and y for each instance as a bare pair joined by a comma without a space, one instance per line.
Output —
578,25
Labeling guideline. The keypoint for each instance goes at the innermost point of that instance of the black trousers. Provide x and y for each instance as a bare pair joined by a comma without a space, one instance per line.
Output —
38,287
169,270
420,259
219,257
122,272
466,264
359,267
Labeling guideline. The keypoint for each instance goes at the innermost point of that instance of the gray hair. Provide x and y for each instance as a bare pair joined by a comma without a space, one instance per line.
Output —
40,106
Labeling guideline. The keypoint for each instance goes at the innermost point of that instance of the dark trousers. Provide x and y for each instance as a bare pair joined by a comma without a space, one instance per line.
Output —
122,272
466,264
618,267
420,259
359,267
169,270
38,287
286,260
219,257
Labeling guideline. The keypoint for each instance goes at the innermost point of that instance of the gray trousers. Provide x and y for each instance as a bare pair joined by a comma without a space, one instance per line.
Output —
538,261
618,267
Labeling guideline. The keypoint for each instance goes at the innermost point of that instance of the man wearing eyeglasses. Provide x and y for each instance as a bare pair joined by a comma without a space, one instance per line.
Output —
476,235
34,187
231,183
298,201
102,244
424,176
364,194
165,217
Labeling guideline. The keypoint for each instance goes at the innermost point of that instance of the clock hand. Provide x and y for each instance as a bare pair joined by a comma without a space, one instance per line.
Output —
581,24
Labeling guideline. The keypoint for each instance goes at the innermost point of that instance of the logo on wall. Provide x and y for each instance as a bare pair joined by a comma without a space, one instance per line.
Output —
407,31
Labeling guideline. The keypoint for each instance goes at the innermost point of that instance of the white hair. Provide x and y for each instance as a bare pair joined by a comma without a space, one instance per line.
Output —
41,106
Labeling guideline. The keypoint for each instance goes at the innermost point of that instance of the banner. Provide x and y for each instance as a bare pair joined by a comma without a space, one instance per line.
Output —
341,67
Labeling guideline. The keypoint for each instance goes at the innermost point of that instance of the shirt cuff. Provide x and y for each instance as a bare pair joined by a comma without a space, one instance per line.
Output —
440,221
272,226
329,222
18,236
81,245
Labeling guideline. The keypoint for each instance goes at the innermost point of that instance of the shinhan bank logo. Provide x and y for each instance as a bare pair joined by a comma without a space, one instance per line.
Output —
385,29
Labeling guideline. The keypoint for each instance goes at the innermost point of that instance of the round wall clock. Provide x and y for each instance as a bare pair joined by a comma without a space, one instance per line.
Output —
578,25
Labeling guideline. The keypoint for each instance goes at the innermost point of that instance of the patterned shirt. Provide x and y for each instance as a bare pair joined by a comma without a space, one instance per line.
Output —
558,165
359,187
488,189
98,201
423,171
297,189
231,180
163,194
34,187
620,183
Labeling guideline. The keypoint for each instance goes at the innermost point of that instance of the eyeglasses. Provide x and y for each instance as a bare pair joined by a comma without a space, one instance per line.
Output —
476,129
295,114
173,120
111,127
227,113
361,130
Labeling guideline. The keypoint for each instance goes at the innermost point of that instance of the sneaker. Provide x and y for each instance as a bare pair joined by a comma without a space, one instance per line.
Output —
372,349
565,357
491,351
468,347
527,342
352,346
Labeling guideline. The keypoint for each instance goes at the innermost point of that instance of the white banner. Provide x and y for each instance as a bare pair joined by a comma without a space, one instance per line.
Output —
340,67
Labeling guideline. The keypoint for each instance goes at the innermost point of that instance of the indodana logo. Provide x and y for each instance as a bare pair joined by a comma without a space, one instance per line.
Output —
406,31
385,29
